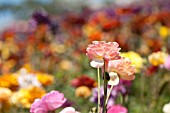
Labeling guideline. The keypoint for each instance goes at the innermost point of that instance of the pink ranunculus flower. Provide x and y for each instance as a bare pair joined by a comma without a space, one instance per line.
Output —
69,110
99,50
123,67
53,100
38,107
117,109
167,63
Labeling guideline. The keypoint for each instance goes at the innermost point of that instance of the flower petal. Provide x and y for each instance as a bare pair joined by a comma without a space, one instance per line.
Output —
114,79
96,63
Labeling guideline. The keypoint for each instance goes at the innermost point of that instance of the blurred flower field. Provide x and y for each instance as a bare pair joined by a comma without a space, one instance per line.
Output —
47,53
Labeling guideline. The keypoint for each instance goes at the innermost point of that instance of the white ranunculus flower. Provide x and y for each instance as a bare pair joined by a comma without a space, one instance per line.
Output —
27,79
69,110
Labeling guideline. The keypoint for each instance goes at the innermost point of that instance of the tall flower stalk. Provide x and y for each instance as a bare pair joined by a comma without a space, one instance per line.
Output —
109,93
98,76
105,89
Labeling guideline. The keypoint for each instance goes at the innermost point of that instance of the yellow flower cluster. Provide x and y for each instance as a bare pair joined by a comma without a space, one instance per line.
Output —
12,93
26,96
157,58
135,58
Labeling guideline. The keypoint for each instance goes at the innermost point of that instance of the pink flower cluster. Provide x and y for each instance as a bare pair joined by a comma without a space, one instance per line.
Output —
99,51
51,101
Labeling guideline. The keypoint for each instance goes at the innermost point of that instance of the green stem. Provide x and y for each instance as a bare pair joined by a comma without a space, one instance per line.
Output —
142,91
109,94
98,74
105,90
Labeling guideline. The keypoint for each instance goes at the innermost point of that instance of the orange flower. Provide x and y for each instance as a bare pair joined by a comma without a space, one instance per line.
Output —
123,67
9,81
45,79
5,94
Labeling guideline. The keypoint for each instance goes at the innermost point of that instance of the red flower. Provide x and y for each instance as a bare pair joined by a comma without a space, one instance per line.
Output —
83,80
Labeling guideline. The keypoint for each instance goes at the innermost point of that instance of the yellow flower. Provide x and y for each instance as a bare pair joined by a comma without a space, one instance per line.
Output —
7,48
83,91
157,58
26,96
5,94
135,58
57,48
66,65
45,79
89,29
7,66
163,31
27,67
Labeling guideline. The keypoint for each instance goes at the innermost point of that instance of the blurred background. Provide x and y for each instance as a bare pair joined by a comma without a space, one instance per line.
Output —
43,48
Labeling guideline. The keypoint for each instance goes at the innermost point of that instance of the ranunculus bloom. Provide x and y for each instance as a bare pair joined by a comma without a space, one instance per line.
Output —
157,58
83,91
27,80
117,109
83,80
166,108
99,50
45,79
123,68
53,100
68,110
38,107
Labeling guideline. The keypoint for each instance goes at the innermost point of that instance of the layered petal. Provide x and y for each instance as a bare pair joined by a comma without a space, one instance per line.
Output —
123,68
100,50
54,100
117,109
114,79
